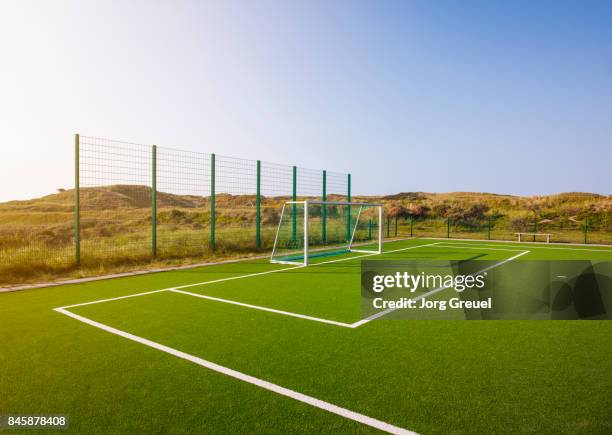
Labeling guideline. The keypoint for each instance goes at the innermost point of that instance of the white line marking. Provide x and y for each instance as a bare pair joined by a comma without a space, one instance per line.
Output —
534,246
326,406
286,262
375,253
342,259
477,247
230,278
99,301
411,247
434,291
531,244
271,310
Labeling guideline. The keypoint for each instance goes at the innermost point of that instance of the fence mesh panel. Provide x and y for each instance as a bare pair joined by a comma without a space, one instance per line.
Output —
37,239
115,201
143,201
235,210
182,203
337,186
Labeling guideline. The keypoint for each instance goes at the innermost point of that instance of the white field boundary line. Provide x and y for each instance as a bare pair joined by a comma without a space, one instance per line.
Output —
450,245
434,291
539,245
275,388
374,253
556,248
101,301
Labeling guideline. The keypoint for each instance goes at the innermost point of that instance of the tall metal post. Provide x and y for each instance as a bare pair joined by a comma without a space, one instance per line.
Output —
77,220
212,202
348,209
305,233
380,225
489,229
388,226
294,207
258,207
395,224
448,224
586,230
154,201
411,226
324,209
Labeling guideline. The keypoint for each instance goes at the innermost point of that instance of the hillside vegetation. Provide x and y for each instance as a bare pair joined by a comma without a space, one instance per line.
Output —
547,209
571,205
37,235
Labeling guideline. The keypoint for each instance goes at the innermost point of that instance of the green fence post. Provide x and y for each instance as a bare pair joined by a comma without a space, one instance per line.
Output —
489,228
396,225
154,201
586,230
370,229
258,207
212,202
448,225
388,226
77,221
294,208
324,209
348,209
535,229
411,226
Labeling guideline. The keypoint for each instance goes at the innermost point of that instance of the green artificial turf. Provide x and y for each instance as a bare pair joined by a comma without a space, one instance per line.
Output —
426,376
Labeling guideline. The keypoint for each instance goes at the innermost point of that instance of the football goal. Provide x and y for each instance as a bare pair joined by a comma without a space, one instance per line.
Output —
310,229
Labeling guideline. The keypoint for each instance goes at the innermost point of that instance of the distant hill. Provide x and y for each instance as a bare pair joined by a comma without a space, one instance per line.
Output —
123,196
103,198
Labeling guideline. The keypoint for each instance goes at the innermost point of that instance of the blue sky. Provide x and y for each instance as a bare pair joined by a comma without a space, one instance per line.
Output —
506,97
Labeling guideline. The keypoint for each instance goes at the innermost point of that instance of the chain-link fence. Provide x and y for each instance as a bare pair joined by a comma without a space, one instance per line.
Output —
139,202
36,239
560,230
113,201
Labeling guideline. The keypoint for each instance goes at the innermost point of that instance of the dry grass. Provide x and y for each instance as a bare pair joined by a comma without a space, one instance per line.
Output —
37,236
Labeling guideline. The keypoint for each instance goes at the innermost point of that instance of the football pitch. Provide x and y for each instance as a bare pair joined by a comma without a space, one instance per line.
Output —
251,346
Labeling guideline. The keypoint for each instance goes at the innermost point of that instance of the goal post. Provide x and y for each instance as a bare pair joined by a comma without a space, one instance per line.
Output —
310,229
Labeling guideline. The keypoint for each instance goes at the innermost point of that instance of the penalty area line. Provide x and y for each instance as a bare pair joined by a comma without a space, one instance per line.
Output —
434,291
270,310
300,397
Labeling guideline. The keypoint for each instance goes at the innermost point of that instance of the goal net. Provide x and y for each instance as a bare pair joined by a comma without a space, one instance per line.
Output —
311,229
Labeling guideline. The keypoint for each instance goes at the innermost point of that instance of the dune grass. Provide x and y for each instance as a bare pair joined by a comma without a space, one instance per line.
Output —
37,236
